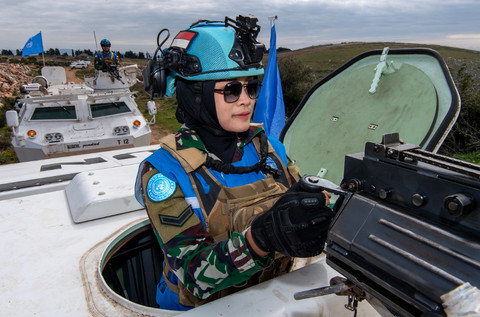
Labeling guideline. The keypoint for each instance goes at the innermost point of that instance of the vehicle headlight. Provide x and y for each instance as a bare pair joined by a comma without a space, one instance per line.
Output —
53,137
121,130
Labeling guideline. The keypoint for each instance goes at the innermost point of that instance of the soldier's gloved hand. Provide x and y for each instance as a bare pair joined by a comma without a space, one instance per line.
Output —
296,225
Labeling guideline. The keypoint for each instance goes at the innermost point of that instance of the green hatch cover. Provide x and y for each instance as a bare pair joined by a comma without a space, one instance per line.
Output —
409,91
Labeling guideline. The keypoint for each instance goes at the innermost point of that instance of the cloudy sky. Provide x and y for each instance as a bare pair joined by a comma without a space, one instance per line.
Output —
134,24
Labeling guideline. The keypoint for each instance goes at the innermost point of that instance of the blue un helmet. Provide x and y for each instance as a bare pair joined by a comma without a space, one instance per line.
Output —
207,50
105,42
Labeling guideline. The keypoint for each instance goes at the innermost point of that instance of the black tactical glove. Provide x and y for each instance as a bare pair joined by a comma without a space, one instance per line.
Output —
296,225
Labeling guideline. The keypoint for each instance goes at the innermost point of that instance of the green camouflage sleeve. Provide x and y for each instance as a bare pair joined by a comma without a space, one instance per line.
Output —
201,264
206,267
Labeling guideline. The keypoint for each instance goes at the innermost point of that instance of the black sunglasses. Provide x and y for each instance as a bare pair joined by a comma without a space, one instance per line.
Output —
233,90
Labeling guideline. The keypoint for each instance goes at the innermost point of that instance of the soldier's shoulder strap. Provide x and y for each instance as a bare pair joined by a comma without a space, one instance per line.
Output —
190,158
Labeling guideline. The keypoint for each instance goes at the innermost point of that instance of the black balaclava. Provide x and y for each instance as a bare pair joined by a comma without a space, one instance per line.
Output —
196,108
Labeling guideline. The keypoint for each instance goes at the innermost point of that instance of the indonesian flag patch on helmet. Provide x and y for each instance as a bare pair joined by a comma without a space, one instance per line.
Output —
183,39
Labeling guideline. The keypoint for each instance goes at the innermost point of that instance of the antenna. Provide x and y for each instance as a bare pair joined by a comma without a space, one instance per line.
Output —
95,36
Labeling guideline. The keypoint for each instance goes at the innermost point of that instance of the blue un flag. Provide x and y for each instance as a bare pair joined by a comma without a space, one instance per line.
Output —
34,45
270,108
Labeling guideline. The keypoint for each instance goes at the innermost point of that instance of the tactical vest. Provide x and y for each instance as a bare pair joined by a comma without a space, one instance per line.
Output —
229,209
107,60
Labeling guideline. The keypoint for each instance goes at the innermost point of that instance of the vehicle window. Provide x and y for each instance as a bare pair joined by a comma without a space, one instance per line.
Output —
54,113
108,109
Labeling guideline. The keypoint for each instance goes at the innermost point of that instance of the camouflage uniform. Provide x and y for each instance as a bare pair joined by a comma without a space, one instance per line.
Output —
202,263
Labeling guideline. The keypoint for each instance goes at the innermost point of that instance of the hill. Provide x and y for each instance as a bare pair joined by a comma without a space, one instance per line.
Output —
324,59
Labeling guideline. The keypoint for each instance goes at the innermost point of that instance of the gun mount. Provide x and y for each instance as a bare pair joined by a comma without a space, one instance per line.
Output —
408,228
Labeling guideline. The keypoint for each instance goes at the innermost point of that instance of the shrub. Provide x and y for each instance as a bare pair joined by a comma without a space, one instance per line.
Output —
8,104
465,134
297,79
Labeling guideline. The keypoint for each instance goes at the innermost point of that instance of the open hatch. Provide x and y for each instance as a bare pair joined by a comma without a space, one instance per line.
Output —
409,91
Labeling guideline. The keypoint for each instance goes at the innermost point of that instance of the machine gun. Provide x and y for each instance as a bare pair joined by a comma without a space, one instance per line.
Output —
407,229
112,69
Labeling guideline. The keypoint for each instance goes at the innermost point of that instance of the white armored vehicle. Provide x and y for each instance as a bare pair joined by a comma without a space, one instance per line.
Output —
57,118
79,64
76,242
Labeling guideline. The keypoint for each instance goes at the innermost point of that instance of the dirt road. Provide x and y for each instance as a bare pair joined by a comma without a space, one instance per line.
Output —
71,75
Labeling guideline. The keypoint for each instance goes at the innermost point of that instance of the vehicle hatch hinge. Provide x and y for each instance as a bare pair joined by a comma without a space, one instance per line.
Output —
383,67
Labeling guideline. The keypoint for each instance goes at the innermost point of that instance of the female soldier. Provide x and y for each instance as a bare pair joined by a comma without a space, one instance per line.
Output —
207,183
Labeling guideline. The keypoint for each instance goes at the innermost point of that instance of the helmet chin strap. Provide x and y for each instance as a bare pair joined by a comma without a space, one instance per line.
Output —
261,165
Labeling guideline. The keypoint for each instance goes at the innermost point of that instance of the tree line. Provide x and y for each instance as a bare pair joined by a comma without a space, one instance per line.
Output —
56,52
88,52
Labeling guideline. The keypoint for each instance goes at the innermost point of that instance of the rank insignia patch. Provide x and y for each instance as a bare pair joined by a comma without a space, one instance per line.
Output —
179,220
160,187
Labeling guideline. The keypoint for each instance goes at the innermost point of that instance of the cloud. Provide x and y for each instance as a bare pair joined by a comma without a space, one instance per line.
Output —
133,25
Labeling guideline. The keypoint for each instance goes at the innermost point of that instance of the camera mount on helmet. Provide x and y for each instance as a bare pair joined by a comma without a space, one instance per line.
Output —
238,54
246,50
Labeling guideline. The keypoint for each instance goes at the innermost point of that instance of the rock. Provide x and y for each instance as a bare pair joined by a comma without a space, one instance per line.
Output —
12,76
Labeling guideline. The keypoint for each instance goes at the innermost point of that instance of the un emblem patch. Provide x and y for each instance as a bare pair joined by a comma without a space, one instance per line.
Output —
160,187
